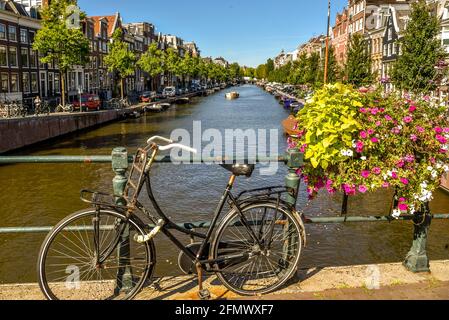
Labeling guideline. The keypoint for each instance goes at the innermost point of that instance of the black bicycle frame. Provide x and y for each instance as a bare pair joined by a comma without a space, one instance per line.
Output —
168,224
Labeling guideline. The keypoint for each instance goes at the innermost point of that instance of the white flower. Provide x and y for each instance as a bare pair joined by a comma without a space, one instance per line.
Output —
412,209
434,174
396,213
363,158
430,168
446,168
390,174
350,153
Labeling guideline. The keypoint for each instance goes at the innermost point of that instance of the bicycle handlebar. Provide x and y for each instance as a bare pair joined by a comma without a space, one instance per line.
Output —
155,138
179,146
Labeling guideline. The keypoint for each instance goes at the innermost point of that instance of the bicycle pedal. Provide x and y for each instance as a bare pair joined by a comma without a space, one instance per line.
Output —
151,235
204,294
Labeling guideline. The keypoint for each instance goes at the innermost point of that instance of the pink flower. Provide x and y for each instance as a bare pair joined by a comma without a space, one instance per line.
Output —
329,183
363,189
303,148
438,130
374,140
396,130
388,118
446,130
349,190
401,163
403,207
385,185
401,200
394,175
363,110
360,146
412,108
420,129
378,123
374,111
363,135
414,137
408,119
410,158
441,139
299,172
404,181
370,131
365,174
377,171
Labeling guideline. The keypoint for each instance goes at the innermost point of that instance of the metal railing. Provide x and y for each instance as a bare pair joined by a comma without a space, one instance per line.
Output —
416,260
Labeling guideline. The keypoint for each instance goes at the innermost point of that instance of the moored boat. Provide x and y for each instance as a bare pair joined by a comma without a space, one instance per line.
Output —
291,126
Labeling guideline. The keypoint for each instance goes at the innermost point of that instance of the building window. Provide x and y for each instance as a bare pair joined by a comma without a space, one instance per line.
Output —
26,82
12,33
3,56
13,57
2,32
23,35
33,59
5,82
24,57
32,34
14,82
34,85
390,34
57,85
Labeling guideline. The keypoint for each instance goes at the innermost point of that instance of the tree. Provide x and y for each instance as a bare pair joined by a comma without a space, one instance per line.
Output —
312,69
358,65
261,72
269,67
120,59
333,70
58,42
152,61
421,50
173,63
235,71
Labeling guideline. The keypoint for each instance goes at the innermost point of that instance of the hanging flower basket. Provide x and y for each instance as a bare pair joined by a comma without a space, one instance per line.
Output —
361,142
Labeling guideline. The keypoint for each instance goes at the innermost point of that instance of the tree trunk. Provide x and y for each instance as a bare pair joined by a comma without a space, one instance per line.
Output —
122,88
62,75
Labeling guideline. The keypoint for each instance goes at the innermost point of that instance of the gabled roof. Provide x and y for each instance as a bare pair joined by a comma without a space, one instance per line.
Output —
113,22
16,8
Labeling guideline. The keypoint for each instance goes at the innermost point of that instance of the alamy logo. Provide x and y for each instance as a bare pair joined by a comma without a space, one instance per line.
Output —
73,17
73,280
372,280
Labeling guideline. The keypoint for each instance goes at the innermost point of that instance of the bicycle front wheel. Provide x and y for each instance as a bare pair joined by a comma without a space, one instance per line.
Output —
92,256
258,250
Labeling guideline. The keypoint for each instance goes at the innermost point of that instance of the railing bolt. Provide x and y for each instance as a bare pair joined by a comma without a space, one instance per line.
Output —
417,259
292,180
124,281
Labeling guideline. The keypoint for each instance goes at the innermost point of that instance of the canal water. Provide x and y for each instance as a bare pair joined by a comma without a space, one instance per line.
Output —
42,194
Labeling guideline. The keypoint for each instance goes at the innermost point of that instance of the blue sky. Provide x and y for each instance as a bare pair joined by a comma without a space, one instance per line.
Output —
245,31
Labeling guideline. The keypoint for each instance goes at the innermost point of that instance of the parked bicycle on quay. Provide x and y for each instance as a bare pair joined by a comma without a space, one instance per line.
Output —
108,252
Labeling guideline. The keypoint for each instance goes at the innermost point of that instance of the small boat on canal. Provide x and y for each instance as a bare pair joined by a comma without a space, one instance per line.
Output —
157,107
232,95
291,126
184,100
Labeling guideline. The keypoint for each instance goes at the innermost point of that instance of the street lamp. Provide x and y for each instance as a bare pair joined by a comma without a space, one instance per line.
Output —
326,61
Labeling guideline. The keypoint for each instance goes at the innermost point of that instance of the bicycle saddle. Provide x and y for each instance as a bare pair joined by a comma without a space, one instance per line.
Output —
240,169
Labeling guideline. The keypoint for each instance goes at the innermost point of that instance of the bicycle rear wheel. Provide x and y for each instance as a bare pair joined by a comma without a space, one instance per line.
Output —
261,256
87,256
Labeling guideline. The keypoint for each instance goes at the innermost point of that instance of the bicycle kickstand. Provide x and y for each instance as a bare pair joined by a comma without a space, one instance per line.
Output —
203,294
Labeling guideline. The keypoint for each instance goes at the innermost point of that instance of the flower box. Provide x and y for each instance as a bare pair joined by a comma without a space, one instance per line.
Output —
359,142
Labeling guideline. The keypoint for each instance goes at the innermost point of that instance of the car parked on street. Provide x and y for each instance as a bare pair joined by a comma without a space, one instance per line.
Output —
148,96
169,92
89,102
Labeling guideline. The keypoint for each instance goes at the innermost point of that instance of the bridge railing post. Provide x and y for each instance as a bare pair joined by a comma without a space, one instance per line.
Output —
120,166
417,259
292,181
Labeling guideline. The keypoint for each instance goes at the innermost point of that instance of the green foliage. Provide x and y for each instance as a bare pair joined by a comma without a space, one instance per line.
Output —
59,43
329,122
358,66
361,142
421,52
120,59
173,62
152,61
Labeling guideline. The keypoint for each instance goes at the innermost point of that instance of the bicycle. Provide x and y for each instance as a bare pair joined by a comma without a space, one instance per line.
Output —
107,252
67,108
42,108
